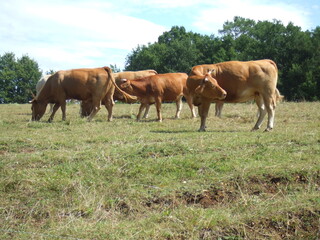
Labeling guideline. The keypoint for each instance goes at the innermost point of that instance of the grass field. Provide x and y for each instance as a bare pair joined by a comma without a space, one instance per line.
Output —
149,180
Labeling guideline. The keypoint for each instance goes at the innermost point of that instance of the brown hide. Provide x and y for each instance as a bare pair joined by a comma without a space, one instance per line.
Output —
87,84
130,75
243,81
169,87
86,106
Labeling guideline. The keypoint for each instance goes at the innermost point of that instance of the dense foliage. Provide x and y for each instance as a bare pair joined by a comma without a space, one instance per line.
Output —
297,53
18,78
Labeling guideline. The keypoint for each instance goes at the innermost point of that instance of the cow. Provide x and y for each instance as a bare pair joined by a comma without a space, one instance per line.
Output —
170,87
40,85
86,106
88,84
243,81
202,69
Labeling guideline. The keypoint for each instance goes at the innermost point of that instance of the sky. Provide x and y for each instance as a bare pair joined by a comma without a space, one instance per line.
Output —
67,34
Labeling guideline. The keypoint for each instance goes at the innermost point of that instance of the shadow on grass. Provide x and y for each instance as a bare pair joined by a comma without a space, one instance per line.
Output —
195,131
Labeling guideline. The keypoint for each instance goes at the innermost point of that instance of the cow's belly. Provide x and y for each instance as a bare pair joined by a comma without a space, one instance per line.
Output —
148,100
240,96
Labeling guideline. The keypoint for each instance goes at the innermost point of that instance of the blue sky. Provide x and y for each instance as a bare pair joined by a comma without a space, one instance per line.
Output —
65,34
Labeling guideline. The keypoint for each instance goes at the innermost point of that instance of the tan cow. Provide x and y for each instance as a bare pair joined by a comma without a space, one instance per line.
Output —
40,85
86,106
243,81
170,87
88,84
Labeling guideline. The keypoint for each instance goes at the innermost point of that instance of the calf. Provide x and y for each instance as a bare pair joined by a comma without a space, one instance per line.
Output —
170,87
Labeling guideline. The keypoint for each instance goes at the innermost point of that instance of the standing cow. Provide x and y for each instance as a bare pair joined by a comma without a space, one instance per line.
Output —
88,84
170,87
86,106
243,81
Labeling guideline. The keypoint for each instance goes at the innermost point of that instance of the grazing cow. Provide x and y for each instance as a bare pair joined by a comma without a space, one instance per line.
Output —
86,106
243,81
169,87
40,85
88,84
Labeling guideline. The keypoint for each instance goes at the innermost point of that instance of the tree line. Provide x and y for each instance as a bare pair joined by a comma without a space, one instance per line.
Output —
296,52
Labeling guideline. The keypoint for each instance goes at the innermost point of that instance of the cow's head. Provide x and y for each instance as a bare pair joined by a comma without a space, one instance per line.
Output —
209,88
126,86
85,108
38,109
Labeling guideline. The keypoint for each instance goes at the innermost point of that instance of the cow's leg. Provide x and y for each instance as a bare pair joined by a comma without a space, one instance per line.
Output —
54,110
191,106
204,109
109,103
270,106
95,108
146,113
199,110
262,112
218,108
158,107
142,107
63,109
179,107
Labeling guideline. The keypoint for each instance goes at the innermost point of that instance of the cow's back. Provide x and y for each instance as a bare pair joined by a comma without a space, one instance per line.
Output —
169,85
134,74
79,84
243,80
41,83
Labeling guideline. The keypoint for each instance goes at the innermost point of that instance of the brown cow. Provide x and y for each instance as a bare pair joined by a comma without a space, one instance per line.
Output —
88,84
169,87
243,81
86,106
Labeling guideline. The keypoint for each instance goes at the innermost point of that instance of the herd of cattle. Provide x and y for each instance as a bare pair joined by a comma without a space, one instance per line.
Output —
226,82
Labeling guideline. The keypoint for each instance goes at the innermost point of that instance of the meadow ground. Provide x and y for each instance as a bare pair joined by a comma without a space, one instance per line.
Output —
149,180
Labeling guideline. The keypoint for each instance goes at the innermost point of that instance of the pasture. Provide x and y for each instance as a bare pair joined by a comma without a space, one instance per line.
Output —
149,180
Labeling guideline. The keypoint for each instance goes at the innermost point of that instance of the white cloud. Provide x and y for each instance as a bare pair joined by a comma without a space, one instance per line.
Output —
71,35
167,3
62,34
212,18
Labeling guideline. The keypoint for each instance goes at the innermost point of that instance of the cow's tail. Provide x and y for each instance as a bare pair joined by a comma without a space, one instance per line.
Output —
279,97
127,96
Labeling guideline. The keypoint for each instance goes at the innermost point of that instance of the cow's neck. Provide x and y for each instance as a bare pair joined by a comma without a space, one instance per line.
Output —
44,95
139,87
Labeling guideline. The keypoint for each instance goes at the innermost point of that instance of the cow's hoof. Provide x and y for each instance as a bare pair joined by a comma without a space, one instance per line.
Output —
201,130
268,130
254,129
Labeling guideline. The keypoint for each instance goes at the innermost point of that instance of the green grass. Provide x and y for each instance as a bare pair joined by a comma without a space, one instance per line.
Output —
149,180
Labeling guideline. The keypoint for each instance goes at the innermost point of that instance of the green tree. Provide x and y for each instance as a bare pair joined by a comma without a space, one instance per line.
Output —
114,68
18,78
297,53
